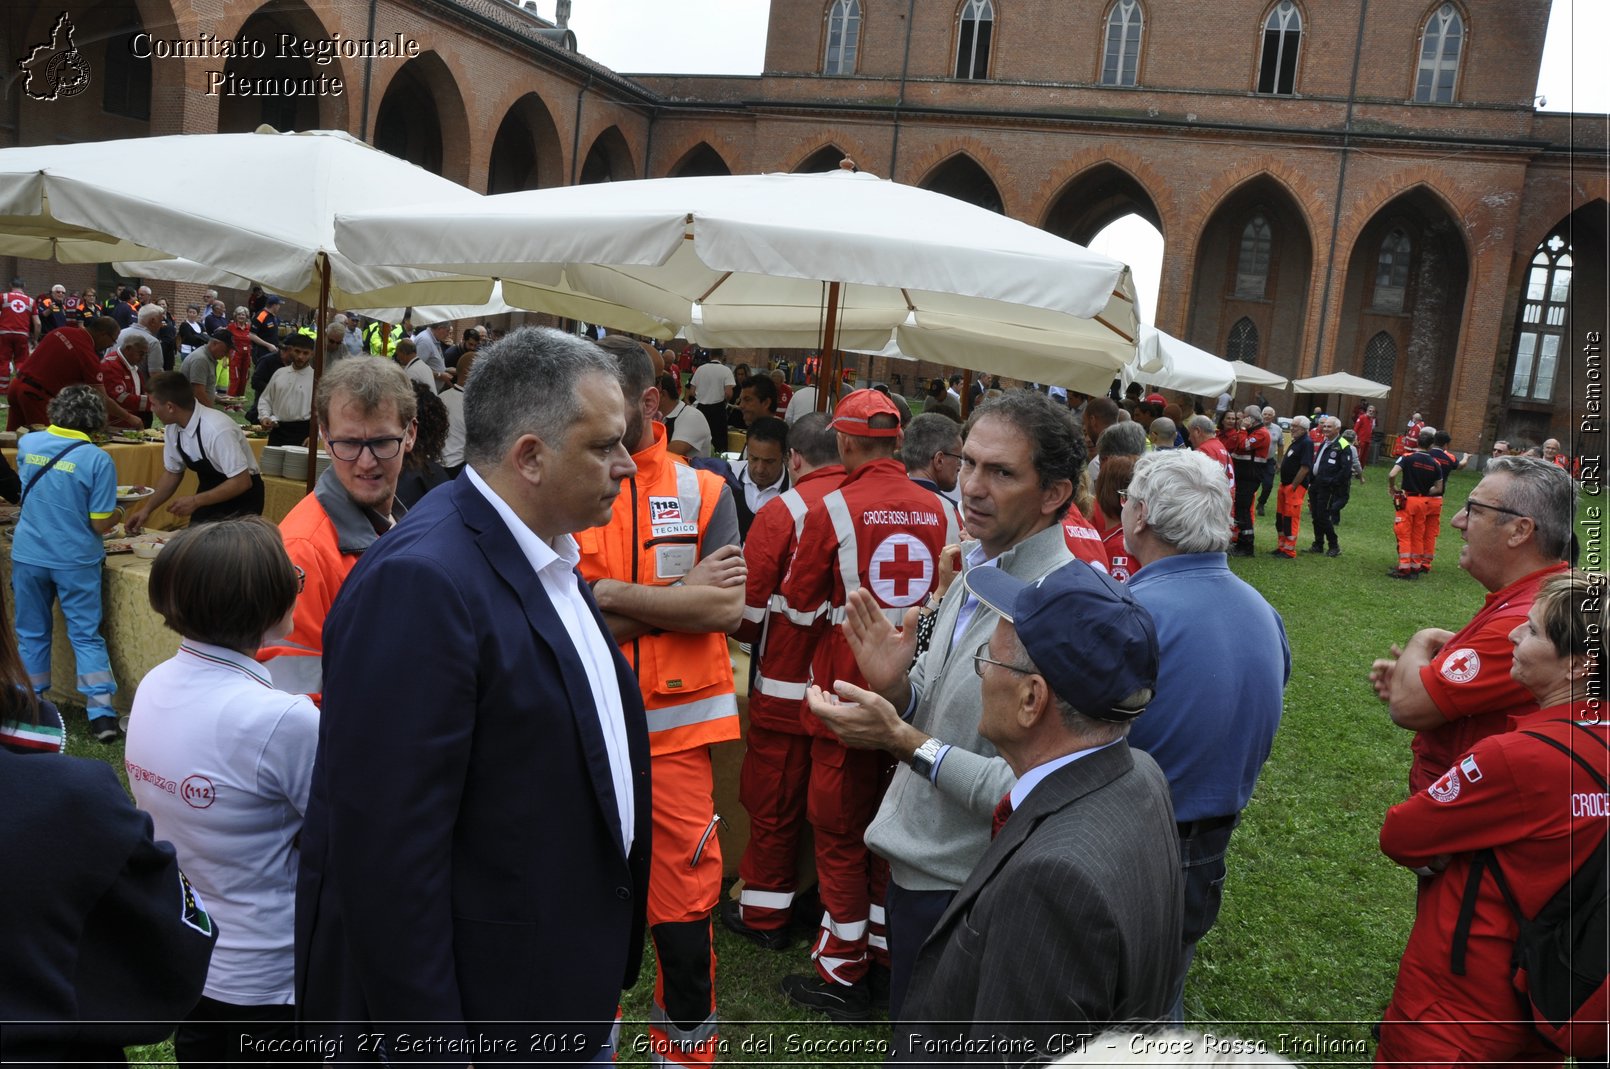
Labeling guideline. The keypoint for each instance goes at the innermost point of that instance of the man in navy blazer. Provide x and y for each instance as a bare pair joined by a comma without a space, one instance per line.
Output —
1072,916
475,852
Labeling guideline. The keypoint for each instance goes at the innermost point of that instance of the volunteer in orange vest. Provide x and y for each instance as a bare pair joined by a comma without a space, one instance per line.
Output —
668,575
882,532
777,754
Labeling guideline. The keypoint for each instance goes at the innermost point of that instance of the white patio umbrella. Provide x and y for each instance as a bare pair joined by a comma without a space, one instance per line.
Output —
257,206
1165,361
1341,383
838,260
1251,375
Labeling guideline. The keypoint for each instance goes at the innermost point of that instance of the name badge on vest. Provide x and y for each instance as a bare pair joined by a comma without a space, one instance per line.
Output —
673,562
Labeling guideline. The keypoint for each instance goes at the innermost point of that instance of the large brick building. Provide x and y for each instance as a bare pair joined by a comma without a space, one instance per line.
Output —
1362,186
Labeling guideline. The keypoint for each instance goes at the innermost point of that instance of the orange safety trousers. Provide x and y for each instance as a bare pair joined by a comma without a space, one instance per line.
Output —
683,886
1288,517
1414,525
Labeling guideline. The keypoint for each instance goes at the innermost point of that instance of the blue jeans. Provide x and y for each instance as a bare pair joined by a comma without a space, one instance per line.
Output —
1202,866
35,589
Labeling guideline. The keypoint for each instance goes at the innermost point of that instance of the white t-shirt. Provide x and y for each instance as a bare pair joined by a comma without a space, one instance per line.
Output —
223,762
710,382
452,399
213,435
804,400
691,427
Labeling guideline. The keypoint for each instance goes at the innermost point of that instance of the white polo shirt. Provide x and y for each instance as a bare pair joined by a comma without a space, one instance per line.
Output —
710,382
223,763
690,426
212,434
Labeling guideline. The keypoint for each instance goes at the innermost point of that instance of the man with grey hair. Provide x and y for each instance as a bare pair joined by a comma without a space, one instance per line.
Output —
1454,690
449,785
932,452
1251,447
1162,433
1335,461
147,321
1219,685
431,344
1295,466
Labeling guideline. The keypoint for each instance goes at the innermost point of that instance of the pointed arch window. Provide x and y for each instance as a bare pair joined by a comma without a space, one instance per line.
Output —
1381,358
1243,342
972,44
1252,265
1392,273
843,36
126,83
1121,59
1440,47
1282,39
1540,336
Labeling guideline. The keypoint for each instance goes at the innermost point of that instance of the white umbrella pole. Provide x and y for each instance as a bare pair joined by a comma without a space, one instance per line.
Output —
321,324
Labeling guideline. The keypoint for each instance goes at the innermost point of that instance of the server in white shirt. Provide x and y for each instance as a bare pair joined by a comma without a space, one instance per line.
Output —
763,473
713,384
408,358
207,442
223,763
452,399
687,432
286,406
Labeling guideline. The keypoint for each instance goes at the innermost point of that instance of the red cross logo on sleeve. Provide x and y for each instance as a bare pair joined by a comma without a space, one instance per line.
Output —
1461,666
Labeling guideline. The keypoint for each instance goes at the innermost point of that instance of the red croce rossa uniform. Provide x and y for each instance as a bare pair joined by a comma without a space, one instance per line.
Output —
880,531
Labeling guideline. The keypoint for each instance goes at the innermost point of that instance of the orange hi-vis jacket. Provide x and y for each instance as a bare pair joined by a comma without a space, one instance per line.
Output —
655,536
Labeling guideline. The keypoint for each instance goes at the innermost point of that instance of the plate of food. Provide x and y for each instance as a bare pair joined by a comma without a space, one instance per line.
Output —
128,495
131,543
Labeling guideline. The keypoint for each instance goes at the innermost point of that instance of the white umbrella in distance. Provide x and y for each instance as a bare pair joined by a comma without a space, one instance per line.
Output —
1251,375
1341,383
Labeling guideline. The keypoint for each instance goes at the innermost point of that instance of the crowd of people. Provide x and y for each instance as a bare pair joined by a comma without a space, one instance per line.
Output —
1017,823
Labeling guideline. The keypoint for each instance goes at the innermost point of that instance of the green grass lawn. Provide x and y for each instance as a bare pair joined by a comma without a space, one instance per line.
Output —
1314,916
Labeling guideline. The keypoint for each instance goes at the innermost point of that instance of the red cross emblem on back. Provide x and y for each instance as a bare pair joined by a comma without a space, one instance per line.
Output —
901,570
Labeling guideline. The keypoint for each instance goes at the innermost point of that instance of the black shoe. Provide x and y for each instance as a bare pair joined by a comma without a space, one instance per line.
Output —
877,979
1260,510
1315,549
1283,555
1397,573
105,729
1334,551
732,921
845,1003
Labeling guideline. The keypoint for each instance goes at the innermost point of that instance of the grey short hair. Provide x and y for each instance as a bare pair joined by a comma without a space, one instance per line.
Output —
369,383
526,383
149,312
926,435
78,408
1164,425
1300,421
1544,492
1202,424
1126,439
812,436
1187,500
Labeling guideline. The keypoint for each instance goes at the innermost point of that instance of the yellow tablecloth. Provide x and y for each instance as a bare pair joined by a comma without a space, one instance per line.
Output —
140,464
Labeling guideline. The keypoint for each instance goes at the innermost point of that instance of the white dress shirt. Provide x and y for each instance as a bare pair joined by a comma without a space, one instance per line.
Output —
556,567
288,397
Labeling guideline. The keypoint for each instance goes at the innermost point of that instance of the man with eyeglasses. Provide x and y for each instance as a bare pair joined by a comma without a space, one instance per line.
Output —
366,419
1454,690
932,453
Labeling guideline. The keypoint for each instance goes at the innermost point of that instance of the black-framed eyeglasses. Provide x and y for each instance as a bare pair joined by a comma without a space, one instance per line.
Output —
979,661
1471,505
350,449
948,453
301,578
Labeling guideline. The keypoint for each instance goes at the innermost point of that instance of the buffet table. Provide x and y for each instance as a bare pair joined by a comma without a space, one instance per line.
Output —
140,464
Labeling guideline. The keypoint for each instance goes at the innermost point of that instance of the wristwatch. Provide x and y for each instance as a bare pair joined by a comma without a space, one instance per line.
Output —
922,759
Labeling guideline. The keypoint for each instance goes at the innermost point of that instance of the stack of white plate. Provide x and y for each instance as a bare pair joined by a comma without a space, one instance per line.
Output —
321,464
273,460
295,466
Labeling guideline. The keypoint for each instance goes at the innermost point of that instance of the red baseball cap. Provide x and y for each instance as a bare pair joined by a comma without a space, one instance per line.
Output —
853,415
1156,399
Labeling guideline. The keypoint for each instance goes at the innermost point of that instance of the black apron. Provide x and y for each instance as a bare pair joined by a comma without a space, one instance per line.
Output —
208,477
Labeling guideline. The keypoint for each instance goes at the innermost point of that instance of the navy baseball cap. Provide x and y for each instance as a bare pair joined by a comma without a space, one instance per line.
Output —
222,334
1090,639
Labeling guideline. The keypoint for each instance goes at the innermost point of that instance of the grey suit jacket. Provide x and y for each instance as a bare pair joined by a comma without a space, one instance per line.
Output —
1071,917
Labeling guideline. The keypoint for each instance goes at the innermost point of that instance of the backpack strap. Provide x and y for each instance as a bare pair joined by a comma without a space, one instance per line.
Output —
1486,859
38,474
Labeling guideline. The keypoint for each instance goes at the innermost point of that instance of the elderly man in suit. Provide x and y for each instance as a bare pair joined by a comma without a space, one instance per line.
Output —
475,852
1073,913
